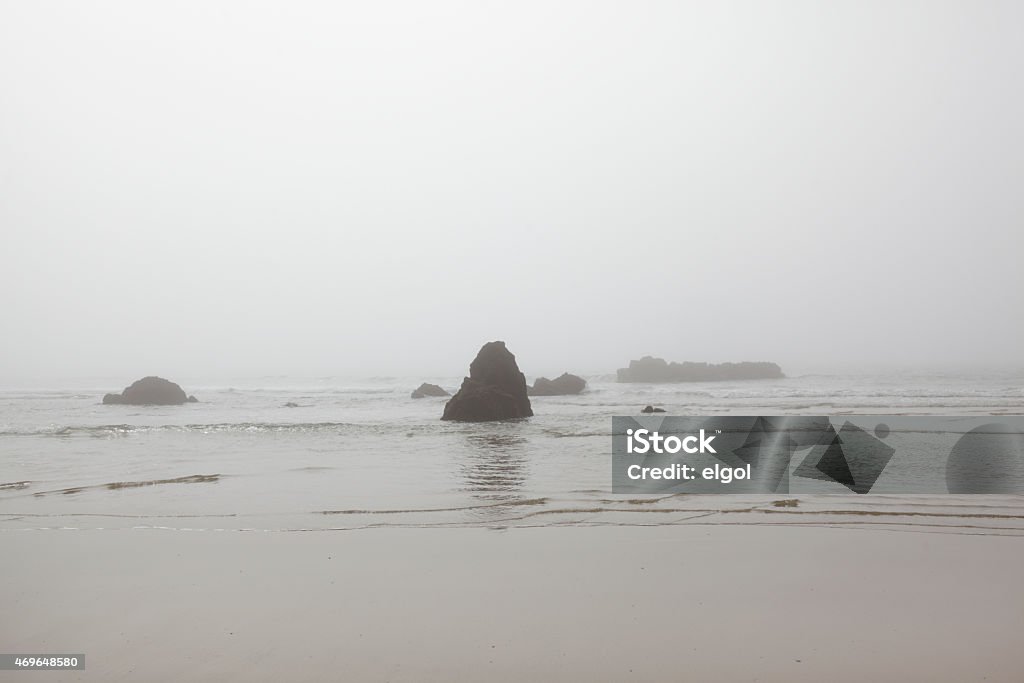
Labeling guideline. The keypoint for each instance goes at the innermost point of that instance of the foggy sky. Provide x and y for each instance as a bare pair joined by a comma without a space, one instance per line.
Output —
382,187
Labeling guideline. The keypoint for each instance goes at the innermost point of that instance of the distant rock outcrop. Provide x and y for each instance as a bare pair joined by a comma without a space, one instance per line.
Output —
649,369
425,390
494,390
652,409
564,385
154,391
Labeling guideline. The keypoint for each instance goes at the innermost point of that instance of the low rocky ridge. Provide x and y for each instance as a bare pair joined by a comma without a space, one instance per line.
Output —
425,390
650,369
563,385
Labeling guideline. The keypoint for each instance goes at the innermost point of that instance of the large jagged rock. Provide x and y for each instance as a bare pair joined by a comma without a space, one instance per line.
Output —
649,369
153,391
564,385
425,390
494,390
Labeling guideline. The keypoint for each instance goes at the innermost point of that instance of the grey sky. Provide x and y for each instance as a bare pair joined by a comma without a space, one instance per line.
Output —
382,187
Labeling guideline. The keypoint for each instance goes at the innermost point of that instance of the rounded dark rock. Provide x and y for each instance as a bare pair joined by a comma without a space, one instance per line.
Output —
155,391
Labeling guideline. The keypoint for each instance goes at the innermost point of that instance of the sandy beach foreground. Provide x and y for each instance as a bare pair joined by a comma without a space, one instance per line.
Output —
724,603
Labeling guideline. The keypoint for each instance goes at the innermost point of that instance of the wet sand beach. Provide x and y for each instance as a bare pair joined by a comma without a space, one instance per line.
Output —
607,603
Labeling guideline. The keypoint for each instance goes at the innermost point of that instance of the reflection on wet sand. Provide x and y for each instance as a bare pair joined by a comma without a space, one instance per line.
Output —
494,466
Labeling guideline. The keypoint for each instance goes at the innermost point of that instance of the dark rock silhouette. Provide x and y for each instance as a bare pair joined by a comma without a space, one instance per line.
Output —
494,390
649,369
564,385
425,390
154,391
652,409
291,404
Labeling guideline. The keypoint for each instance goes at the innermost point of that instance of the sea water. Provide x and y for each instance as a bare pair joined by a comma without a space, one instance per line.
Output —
360,453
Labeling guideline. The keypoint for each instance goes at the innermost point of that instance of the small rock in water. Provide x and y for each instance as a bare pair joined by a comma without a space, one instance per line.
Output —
425,390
